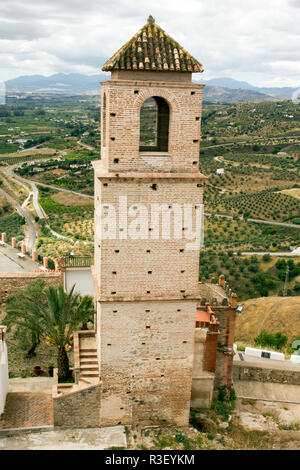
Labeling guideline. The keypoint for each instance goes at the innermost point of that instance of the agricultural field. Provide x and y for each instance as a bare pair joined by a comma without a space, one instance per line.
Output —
72,171
72,217
13,225
221,234
5,206
256,145
251,276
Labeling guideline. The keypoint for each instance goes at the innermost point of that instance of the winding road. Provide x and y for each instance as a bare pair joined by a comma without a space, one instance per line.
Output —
31,235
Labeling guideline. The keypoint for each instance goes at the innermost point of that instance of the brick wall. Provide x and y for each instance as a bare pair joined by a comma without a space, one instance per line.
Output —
124,99
203,381
146,356
10,282
164,267
224,360
80,409
211,346
147,287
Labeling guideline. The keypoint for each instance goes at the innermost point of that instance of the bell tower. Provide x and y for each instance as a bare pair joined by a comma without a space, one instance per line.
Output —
148,207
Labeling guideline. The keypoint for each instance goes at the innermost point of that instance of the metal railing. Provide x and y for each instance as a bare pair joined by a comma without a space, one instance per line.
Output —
75,261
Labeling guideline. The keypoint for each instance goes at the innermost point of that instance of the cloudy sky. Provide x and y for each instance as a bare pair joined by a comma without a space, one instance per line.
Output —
253,40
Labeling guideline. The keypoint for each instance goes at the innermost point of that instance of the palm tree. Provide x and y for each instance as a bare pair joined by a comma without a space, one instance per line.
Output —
52,313
27,330
62,315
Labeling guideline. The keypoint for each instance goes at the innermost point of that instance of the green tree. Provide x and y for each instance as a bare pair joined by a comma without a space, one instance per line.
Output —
27,330
62,315
53,314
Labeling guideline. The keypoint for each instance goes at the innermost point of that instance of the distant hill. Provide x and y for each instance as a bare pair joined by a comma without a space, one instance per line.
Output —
271,314
216,90
219,94
225,82
58,83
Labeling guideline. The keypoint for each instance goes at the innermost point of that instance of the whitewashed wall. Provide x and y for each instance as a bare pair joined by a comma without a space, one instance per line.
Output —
3,375
82,278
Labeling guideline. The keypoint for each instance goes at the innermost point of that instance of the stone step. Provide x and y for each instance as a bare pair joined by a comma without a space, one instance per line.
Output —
89,362
86,368
88,350
85,381
88,357
88,374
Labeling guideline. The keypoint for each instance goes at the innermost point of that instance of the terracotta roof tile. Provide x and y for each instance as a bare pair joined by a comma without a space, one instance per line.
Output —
152,49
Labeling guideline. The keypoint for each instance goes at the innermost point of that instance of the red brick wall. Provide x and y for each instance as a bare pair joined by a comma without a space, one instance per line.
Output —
210,352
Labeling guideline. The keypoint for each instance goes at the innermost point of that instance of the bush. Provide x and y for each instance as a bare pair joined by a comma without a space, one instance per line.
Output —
277,340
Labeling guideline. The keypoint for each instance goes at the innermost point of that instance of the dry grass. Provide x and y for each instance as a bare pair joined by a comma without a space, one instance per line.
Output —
70,199
272,314
39,151
292,192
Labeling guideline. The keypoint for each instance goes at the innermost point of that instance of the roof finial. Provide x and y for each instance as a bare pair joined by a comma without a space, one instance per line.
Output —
151,19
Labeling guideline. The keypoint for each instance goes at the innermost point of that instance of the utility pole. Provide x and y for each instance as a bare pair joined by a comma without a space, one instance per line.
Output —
286,281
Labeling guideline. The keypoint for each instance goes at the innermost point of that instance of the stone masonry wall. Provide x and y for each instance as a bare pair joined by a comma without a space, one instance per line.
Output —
10,282
268,373
80,409
146,360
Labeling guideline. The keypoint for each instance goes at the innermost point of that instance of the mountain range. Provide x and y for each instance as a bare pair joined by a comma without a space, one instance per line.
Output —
216,90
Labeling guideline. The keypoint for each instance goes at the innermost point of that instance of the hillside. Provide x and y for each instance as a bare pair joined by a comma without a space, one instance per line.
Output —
271,314
74,83
226,82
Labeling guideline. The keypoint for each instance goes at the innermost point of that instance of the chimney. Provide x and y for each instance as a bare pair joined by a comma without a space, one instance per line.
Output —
3,237
23,248
45,262
222,281
13,242
233,300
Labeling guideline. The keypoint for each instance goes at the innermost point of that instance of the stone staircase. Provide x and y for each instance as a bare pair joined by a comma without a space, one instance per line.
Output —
86,366
86,359
89,367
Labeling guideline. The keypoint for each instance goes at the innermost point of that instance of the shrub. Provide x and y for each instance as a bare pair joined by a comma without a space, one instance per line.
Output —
277,340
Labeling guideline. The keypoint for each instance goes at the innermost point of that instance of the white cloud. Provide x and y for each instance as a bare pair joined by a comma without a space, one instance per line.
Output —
249,38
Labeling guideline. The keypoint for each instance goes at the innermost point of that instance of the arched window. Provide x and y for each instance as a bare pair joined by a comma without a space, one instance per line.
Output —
103,134
154,125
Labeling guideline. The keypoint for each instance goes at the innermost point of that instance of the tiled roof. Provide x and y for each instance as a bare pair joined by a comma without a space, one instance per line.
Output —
152,49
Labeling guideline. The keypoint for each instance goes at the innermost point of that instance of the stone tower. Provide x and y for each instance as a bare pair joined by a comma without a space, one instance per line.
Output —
147,284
